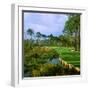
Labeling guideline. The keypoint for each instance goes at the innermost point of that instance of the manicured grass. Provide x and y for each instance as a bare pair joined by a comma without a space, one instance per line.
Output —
72,57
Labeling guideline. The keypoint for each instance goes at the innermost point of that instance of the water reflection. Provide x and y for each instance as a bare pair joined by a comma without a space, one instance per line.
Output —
55,61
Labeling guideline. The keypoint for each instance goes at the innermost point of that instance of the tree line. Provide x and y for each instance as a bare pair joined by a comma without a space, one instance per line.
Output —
69,38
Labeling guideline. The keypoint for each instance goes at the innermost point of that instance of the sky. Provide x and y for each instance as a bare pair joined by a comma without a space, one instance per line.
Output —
45,23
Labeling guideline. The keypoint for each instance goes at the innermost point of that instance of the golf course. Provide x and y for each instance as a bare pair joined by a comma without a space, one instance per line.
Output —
51,49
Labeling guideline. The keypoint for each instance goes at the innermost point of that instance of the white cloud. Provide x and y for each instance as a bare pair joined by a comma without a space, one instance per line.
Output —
45,23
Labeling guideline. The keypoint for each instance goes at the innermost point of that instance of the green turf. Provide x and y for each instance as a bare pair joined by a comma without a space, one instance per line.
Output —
72,57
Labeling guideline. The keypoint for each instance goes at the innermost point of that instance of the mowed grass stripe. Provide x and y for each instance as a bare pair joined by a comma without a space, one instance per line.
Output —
74,61
69,56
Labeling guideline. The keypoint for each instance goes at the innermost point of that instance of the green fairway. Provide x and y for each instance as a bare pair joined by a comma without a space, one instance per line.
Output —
72,57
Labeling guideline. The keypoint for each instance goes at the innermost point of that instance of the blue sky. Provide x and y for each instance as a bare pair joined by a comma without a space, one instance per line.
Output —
45,23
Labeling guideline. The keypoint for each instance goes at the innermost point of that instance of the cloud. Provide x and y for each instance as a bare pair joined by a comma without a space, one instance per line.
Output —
45,23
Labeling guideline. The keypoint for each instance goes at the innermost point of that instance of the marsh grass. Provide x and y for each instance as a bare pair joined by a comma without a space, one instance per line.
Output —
37,58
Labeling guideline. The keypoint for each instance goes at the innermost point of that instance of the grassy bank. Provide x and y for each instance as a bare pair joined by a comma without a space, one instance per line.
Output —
36,61
67,54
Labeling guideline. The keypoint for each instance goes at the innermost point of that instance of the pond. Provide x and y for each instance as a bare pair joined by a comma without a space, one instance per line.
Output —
55,61
49,61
